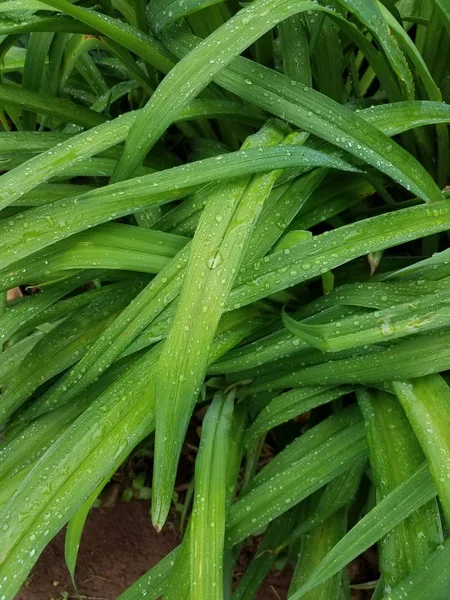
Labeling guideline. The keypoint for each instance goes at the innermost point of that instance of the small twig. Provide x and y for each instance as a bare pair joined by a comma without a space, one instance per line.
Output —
275,593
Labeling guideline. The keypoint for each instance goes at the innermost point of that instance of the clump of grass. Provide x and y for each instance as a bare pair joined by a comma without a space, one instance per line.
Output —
242,208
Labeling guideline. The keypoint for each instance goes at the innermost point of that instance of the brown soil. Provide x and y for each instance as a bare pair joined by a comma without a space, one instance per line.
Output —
119,545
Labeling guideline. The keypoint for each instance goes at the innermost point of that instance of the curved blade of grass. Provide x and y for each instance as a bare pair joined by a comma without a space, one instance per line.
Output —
290,405
22,5
307,108
444,10
161,12
63,308
393,459
426,403
139,313
418,356
281,344
30,23
433,268
432,89
195,71
295,51
324,252
371,14
14,60
231,332
48,224
59,107
327,57
334,195
294,483
109,246
154,582
306,443
75,528
81,214
413,493
199,56
426,313
180,582
94,167
375,295
157,579
77,46
276,217
68,151
274,346
207,523
336,423
47,193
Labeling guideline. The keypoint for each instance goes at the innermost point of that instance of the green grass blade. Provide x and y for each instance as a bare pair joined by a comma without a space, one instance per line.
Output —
426,403
64,345
147,305
75,214
327,251
97,435
393,459
338,494
152,584
12,356
427,313
207,532
68,151
195,72
277,216
444,10
59,107
392,510
25,443
126,35
294,483
34,70
110,246
288,406
215,256
369,12
29,308
161,12
294,48
74,531
306,108
418,356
